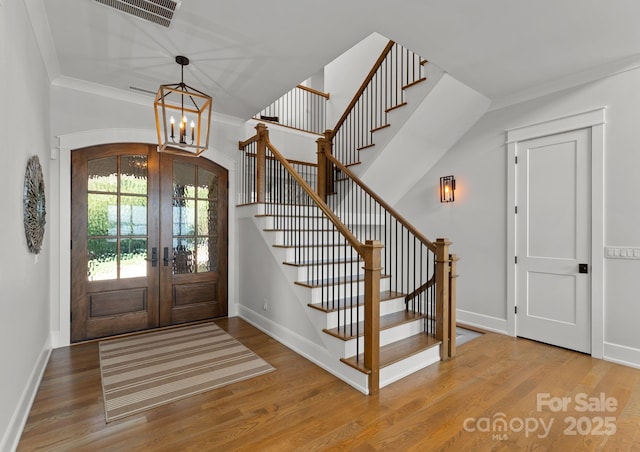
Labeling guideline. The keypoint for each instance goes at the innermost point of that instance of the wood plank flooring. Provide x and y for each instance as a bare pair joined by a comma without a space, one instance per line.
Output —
448,406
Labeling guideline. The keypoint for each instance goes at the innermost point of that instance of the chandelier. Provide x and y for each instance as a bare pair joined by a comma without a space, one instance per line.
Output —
183,117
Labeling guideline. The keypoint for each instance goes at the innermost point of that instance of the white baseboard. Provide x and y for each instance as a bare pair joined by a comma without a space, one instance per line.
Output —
485,322
621,354
13,433
304,347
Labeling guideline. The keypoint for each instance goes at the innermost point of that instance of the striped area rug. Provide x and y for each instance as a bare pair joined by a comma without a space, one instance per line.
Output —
152,369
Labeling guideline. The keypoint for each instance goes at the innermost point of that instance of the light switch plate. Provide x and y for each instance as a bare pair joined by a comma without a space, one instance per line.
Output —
622,252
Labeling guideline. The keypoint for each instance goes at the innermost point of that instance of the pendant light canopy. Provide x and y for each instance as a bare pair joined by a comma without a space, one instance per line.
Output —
183,117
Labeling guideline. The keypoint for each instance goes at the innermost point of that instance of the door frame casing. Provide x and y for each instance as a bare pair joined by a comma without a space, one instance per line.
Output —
595,121
60,259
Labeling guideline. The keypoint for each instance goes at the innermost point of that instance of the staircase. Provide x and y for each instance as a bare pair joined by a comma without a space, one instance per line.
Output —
371,299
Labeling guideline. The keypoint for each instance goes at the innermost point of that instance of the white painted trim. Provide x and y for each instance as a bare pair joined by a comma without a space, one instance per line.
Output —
485,322
622,354
558,125
594,120
17,422
597,240
304,347
68,142
511,238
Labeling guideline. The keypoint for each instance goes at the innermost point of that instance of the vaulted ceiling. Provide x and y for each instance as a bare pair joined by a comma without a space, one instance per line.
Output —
247,53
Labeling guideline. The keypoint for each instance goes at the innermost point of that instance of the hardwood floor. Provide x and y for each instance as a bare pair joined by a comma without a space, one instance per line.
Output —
448,406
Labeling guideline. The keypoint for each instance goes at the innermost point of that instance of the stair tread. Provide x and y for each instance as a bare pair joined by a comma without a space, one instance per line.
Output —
415,82
361,148
297,230
334,281
284,215
354,301
383,126
337,260
316,245
401,104
386,321
396,351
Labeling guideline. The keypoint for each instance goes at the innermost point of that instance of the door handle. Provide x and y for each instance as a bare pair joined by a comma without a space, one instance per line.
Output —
154,257
166,256
583,268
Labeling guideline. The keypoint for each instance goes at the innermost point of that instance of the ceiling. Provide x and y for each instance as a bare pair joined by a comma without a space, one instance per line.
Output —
248,53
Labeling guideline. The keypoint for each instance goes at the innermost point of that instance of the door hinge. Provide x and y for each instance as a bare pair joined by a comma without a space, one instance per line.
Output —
70,316
516,209
516,310
516,259
516,159
70,244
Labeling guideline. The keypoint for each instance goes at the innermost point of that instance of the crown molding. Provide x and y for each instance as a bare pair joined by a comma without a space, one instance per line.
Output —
128,96
571,81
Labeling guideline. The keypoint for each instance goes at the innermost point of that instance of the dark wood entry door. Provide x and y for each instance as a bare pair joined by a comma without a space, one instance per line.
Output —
149,240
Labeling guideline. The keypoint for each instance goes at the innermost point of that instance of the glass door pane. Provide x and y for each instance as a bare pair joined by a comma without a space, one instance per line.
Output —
195,219
117,217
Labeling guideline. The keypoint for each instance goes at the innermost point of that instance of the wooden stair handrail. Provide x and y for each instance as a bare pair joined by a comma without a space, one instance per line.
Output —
428,243
420,289
364,85
314,91
248,141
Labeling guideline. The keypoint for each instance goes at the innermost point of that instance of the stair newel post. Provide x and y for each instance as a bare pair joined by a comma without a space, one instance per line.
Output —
372,269
261,162
325,175
443,326
453,275
321,188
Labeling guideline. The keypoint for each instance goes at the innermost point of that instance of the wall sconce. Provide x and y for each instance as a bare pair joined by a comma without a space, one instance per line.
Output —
447,188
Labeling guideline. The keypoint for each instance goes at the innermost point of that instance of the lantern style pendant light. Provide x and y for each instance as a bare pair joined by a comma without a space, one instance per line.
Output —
183,117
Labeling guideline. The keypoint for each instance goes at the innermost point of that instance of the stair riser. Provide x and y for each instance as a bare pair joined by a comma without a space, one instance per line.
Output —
296,211
317,294
386,307
297,222
350,220
318,253
321,272
303,238
409,365
387,336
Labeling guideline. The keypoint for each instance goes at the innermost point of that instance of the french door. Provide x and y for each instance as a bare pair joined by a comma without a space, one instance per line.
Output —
149,240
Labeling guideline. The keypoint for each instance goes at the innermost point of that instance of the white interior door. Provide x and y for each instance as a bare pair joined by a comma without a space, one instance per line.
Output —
553,303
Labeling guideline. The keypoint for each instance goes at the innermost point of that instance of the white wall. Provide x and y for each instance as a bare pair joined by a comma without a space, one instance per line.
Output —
24,281
344,75
476,222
